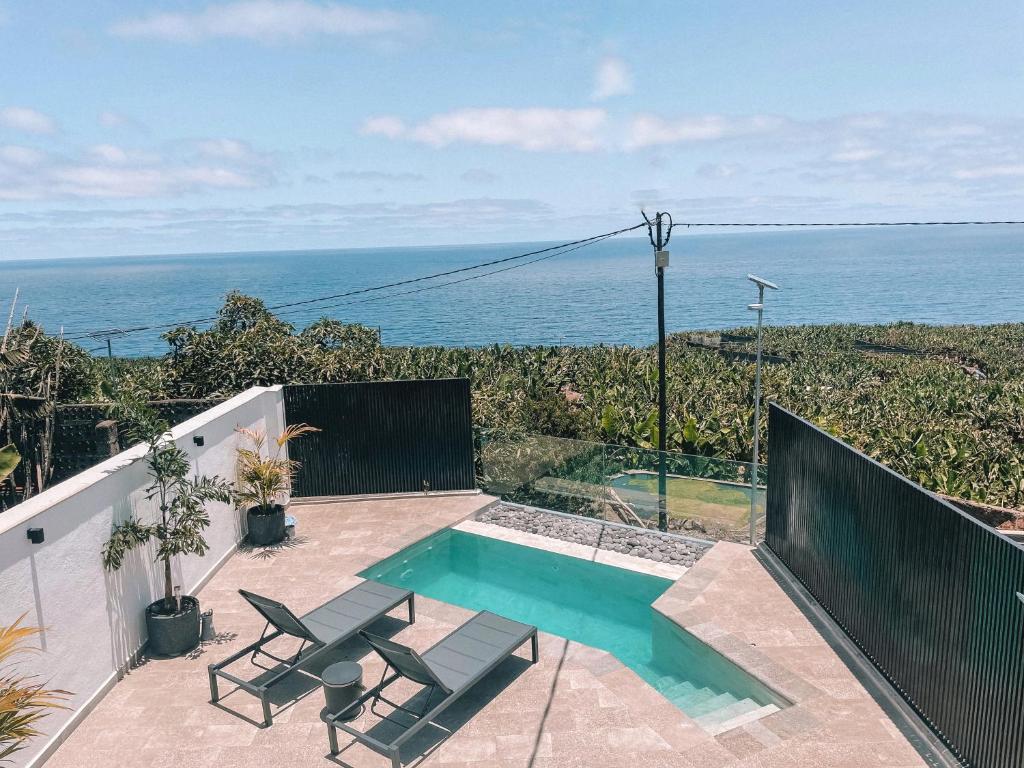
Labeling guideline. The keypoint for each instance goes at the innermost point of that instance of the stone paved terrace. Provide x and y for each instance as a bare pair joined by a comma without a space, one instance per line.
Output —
578,707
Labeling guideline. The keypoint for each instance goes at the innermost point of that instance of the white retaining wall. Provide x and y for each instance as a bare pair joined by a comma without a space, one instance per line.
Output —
93,618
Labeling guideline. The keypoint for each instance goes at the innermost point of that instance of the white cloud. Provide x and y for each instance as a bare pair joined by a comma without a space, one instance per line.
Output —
27,120
108,153
907,152
648,130
99,181
990,171
390,127
110,119
117,120
224,148
855,154
612,78
270,21
112,172
22,157
378,176
533,129
718,170
78,231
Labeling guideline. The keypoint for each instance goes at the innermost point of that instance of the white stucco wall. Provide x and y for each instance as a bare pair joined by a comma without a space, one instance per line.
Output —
93,619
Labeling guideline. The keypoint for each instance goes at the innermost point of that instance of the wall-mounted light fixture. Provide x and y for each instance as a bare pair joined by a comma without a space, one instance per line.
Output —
35,535
198,440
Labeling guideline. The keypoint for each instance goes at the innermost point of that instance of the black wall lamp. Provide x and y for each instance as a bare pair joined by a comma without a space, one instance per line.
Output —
198,440
35,535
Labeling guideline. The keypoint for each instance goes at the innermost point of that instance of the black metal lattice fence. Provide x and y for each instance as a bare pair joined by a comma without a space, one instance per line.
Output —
931,596
382,437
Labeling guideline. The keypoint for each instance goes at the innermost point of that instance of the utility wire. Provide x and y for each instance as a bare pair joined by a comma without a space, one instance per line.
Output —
849,224
554,250
589,241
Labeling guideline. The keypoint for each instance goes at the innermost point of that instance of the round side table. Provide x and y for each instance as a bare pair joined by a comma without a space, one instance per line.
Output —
343,684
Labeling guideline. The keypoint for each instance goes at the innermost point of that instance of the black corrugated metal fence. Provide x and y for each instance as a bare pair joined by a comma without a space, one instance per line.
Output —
927,592
382,437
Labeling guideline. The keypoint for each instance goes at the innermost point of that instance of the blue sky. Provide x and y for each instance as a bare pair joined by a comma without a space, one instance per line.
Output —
144,127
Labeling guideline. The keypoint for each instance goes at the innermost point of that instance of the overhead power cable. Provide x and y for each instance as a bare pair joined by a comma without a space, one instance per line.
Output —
583,244
553,250
847,224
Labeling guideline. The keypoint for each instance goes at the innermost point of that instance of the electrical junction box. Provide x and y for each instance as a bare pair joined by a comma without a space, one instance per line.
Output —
661,258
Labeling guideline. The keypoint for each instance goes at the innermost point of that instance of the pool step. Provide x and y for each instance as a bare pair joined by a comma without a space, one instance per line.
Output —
685,694
714,726
671,688
710,720
709,705
715,711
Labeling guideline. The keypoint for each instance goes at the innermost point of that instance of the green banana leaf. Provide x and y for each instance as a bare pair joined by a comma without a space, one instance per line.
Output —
9,458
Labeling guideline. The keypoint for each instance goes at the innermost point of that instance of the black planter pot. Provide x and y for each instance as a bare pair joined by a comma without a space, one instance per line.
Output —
265,529
173,634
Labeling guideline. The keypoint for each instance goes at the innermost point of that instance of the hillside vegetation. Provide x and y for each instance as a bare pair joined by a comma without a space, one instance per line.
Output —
951,418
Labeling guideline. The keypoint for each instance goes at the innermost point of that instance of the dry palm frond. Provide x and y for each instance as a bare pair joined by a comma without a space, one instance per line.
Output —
23,701
264,480
293,431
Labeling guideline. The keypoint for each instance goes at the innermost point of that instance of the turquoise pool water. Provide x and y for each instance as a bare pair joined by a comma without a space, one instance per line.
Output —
595,604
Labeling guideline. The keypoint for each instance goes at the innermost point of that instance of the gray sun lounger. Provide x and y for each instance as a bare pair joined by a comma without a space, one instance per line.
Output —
321,630
451,667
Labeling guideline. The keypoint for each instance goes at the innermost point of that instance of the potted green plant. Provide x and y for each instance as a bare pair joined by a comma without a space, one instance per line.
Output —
264,480
172,623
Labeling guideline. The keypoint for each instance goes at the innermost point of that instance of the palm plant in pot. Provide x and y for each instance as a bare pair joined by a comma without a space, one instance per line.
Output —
172,623
264,479
24,701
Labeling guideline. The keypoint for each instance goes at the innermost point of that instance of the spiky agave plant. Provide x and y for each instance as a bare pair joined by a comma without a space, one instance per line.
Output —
23,700
264,479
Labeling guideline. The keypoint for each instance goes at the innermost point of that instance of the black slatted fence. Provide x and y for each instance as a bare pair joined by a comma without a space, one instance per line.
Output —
929,594
382,437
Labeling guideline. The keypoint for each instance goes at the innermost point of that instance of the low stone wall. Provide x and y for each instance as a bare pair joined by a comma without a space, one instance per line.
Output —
638,542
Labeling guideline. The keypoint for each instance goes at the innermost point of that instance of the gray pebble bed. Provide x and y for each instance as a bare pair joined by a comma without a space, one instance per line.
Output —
593,533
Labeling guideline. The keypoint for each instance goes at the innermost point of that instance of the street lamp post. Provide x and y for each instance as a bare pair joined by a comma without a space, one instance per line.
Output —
759,308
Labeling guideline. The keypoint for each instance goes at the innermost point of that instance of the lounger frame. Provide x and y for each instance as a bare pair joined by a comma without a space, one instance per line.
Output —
393,748
310,648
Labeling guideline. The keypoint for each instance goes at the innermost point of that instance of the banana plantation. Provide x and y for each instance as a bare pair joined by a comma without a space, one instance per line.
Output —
942,405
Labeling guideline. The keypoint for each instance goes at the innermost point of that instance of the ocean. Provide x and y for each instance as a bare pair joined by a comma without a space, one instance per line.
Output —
604,293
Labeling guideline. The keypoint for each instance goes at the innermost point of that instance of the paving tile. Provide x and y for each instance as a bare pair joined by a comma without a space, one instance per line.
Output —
578,708
641,739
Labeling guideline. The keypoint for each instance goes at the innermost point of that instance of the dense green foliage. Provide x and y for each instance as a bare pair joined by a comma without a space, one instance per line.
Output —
952,419
36,372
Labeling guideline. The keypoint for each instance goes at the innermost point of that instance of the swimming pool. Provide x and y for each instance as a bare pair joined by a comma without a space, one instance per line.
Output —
592,603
